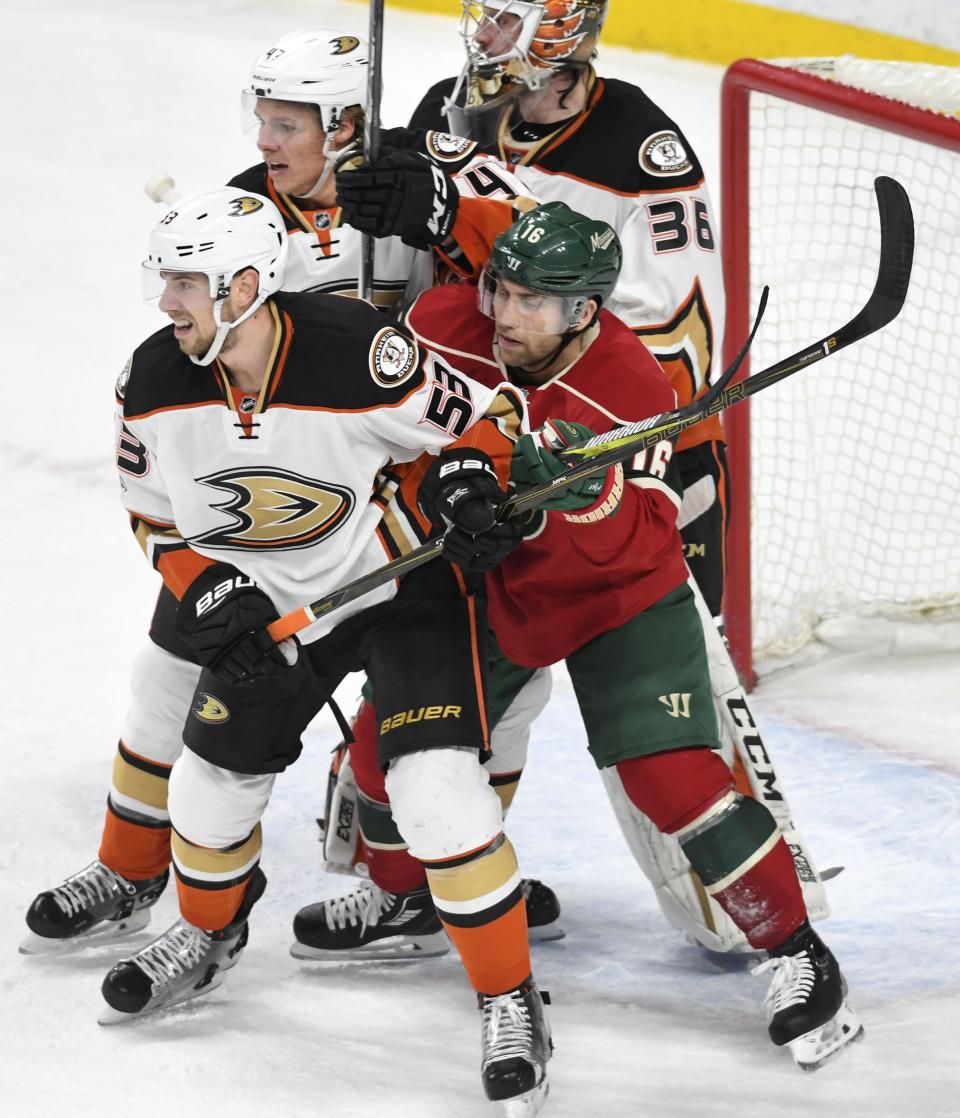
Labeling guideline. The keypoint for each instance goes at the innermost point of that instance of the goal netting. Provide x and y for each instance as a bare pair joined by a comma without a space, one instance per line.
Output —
845,479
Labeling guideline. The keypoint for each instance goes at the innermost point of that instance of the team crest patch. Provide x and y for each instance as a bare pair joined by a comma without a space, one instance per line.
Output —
446,148
393,357
242,207
208,708
124,378
662,154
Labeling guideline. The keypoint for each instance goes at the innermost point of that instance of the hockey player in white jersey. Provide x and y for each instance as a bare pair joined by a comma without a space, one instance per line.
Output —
273,446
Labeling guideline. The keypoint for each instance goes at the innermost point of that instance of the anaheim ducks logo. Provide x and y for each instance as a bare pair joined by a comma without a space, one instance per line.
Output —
208,708
275,510
447,148
393,357
241,207
344,44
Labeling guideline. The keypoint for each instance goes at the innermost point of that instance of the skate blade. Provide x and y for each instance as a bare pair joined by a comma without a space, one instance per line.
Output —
111,1016
815,1048
391,950
102,935
544,933
528,1104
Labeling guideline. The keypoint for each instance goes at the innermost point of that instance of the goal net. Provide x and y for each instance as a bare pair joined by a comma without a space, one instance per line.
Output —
845,480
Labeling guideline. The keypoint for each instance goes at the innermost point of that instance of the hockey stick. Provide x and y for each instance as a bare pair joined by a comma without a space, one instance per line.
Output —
299,619
371,135
602,451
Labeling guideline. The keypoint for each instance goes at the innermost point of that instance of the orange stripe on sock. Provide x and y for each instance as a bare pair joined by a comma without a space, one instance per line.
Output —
210,909
132,851
496,956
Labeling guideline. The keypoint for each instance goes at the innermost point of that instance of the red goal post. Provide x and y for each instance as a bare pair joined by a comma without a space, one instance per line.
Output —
839,529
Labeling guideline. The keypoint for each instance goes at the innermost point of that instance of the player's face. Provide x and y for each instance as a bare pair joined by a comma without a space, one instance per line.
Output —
290,138
529,324
497,32
186,300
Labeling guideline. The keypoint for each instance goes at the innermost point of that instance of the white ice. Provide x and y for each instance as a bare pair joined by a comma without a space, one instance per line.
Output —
97,96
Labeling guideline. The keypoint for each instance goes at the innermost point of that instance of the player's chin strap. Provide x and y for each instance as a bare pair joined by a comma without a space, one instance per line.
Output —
224,328
334,158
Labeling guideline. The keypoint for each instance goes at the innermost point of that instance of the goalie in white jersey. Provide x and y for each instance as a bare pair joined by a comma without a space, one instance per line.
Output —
271,447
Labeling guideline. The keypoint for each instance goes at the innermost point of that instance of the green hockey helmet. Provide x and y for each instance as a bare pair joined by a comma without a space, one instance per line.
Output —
554,250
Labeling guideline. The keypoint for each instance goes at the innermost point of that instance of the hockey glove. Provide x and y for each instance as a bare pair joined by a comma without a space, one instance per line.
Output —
460,492
402,194
535,463
224,617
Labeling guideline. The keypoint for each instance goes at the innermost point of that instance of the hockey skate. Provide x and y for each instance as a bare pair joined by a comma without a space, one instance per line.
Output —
370,923
807,1004
543,911
183,963
515,1046
93,907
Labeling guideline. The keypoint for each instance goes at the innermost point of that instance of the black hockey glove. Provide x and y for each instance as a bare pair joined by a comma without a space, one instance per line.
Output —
460,492
402,194
223,616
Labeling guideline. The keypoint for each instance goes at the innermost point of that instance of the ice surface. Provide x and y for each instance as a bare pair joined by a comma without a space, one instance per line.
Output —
97,97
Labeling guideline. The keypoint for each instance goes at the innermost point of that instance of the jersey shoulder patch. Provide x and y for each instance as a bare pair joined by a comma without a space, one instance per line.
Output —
345,355
444,148
627,144
664,155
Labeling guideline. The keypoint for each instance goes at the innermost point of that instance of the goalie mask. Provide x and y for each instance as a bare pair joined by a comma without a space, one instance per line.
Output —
218,234
515,45
322,68
562,259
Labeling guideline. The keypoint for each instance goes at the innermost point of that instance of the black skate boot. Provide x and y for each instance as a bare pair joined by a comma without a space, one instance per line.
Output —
807,1004
369,923
183,963
92,907
515,1046
543,911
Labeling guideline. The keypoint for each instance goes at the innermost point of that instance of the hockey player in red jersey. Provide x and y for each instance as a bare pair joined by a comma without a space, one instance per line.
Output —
600,582
273,446
531,96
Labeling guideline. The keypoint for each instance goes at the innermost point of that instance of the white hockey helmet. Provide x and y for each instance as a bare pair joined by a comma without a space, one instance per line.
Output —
218,233
319,66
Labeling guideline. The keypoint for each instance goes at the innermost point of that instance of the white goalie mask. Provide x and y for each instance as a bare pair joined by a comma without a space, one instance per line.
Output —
320,67
218,234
